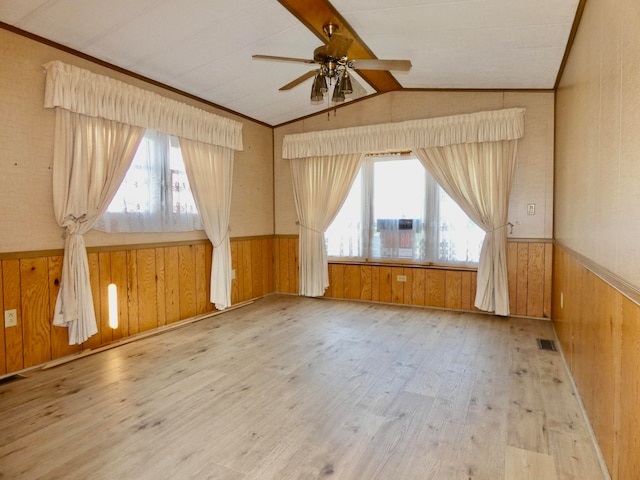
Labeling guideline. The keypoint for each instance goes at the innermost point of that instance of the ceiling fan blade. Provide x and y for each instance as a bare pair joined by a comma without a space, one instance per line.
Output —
298,80
282,59
375,64
338,46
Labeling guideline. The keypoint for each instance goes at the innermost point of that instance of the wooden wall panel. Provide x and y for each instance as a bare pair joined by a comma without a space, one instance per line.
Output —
397,286
337,280
102,315
256,269
11,297
408,286
3,361
365,282
418,287
352,283
435,285
132,293
235,290
627,420
467,295
453,289
287,265
34,296
265,247
522,279
599,331
529,266
375,284
294,275
146,279
208,259
172,284
244,251
535,279
512,274
187,275
119,267
474,279
94,277
385,284
161,287
201,270
548,280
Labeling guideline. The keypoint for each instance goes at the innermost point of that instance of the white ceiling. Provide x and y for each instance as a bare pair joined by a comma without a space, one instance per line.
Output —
204,47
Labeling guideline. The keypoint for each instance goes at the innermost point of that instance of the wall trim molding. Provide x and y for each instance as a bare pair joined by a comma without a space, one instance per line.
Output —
123,247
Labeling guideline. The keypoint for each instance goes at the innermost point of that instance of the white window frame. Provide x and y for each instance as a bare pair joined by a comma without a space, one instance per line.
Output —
430,223
155,209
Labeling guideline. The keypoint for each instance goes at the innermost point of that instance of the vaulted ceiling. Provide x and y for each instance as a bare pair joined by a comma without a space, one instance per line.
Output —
205,47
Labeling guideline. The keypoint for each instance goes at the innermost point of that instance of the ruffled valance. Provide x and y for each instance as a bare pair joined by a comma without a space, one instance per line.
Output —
496,125
87,93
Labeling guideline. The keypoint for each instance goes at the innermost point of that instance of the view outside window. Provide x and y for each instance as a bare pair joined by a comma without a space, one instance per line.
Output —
155,195
396,211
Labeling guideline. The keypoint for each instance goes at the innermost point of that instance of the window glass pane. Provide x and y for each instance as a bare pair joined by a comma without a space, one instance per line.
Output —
460,238
343,238
155,195
398,209
182,201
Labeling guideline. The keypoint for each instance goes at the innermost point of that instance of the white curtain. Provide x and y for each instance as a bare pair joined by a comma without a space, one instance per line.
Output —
478,177
488,126
82,91
488,193
320,186
210,172
87,172
91,156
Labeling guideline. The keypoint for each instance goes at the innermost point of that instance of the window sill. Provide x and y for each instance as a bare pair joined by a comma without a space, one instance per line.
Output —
400,263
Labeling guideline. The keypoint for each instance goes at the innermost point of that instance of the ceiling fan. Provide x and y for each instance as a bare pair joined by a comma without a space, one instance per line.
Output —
334,64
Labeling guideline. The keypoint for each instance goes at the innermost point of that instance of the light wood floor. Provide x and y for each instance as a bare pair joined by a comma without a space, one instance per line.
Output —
297,388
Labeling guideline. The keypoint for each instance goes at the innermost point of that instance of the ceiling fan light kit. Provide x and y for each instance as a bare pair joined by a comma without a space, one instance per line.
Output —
319,88
334,63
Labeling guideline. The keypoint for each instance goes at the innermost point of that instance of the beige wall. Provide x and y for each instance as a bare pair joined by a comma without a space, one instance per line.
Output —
533,182
26,139
598,140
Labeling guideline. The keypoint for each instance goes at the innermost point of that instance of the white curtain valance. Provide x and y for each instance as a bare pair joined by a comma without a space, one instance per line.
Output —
490,126
87,93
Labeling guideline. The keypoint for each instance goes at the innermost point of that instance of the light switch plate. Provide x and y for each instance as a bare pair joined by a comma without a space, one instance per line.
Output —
10,318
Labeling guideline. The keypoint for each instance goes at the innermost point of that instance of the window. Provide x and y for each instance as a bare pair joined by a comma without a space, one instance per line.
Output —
155,195
396,211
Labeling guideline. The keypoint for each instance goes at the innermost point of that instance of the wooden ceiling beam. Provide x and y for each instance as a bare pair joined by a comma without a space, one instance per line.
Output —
315,14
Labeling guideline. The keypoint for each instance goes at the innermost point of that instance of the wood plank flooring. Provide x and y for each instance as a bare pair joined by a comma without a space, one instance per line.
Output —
299,388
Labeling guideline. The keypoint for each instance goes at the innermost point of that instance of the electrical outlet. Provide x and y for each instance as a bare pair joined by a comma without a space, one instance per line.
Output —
531,209
233,274
401,278
10,318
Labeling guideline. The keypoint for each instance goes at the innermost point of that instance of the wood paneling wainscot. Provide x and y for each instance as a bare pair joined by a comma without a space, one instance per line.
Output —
157,285
529,268
597,320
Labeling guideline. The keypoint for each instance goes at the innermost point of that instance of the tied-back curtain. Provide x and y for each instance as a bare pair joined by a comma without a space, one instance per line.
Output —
91,157
478,177
320,187
82,187
492,135
210,172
